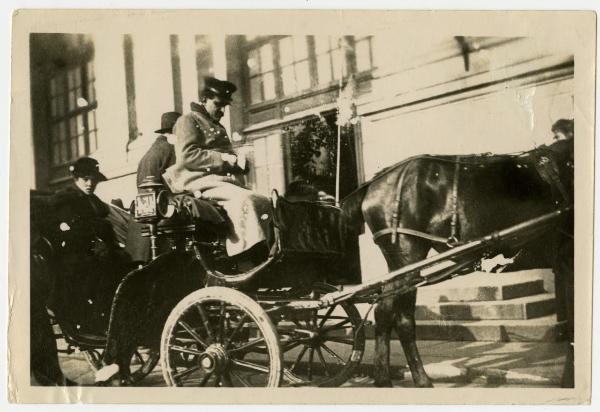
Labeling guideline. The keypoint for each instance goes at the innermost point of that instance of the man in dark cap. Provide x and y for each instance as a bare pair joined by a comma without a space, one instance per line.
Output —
208,167
161,154
563,129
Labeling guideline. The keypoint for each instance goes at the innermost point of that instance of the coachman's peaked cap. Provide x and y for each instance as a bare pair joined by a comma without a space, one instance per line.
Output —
221,88
86,166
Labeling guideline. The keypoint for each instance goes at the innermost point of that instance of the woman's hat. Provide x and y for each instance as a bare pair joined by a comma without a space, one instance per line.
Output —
86,166
167,121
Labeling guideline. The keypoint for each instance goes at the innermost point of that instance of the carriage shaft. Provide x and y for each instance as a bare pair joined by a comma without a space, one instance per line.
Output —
454,253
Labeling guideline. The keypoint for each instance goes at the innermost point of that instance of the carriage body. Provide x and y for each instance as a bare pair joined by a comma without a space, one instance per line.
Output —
308,253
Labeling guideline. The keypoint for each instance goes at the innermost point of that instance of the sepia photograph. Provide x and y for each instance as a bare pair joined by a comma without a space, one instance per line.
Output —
307,199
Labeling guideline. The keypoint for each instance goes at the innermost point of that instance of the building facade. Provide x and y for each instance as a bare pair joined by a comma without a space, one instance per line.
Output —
103,97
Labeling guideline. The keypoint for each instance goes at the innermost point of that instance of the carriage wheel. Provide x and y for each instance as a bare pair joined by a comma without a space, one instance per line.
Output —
322,347
219,337
143,361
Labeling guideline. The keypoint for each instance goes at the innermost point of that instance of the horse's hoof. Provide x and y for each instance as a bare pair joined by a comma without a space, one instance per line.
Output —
424,384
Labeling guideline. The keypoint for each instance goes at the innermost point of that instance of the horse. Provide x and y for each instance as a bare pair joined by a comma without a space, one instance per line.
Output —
435,202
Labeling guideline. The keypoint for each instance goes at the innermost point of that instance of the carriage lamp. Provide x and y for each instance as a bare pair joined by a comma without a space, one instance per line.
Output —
151,204
152,201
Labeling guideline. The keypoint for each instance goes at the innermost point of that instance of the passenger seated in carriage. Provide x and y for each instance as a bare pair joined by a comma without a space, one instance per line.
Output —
92,261
207,167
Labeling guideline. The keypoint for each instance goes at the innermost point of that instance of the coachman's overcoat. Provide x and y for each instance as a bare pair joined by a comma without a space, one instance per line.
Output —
200,167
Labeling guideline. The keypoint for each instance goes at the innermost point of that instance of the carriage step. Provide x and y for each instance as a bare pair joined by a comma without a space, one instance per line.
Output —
544,329
481,286
528,307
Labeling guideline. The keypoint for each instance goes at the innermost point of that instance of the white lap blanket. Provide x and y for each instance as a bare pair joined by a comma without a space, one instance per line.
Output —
249,212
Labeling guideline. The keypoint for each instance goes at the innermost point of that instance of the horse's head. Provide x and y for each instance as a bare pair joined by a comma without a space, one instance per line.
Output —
565,157
558,160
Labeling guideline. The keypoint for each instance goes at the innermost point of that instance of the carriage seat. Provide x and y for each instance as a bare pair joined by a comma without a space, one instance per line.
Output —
310,227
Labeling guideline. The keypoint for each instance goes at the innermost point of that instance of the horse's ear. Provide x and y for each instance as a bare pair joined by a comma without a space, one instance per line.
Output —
274,197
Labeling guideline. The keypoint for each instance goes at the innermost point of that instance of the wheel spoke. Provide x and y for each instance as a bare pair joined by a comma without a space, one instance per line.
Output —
222,322
291,344
337,326
250,365
340,340
205,379
185,350
227,380
332,353
311,354
186,372
138,355
302,352
340,317
239,378
236,330
313,318
326,316
322,359
193,333
297,323
248,345
205,322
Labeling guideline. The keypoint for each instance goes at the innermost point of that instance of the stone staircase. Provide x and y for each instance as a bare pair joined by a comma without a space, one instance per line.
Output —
513,306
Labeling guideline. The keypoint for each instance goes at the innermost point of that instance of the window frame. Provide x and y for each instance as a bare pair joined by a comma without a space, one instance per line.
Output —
316,87
81,66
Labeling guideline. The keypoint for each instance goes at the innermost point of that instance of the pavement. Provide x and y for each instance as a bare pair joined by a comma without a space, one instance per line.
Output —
449,364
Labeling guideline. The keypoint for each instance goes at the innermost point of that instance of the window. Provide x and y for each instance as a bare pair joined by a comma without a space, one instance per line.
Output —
295,70
261,69
363,55
330,64
72,113
267,171
280,66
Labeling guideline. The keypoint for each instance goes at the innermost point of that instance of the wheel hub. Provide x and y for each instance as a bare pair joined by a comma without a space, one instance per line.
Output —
214,358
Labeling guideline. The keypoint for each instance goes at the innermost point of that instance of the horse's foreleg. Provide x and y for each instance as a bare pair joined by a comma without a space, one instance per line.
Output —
565,299
406,329
383,328
407,251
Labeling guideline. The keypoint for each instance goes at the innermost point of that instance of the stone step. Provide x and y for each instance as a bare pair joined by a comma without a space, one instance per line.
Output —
482,286
544,329
527,307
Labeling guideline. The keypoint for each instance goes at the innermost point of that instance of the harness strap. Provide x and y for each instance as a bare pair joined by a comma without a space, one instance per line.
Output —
396,214
454,220
405,231
395,229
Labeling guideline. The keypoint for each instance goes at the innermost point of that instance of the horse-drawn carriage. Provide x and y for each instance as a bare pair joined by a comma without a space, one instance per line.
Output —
281,322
